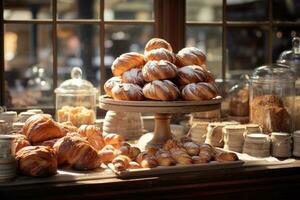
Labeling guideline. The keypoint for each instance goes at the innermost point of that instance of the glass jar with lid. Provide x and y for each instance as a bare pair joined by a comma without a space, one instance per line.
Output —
272,93
76,100
292,59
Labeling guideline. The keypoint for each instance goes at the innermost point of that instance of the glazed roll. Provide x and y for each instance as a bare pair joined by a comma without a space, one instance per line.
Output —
163,90
128,92
199,91
134,76
190,56
161,54
193,74
159,70
126,62
156,43
110,83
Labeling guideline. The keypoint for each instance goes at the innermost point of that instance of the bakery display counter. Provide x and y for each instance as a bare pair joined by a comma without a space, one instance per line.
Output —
262,182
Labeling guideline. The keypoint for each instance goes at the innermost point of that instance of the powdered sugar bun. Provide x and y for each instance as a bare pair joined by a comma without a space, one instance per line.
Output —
134,76
126,62
160,54
163,90
159,70
193,74
199,91
156,43
127,92
190,56
110,83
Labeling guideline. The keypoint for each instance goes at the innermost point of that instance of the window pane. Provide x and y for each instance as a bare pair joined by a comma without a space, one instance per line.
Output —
28,64
78,9
247,10
204,10
282,39
27,9
208,39
128,9
247,49
78,45
286,10
123,39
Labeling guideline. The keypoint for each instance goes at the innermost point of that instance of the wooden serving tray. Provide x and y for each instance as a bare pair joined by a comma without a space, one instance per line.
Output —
213,165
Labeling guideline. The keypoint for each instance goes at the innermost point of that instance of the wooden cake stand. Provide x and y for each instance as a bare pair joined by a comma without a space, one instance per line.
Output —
162,111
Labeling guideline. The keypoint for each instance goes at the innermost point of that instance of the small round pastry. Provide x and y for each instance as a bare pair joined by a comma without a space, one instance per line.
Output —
193,74
163,90
128,92
37,161
133,76
156,43
41,127
199,91
190,56
126,62
159,70
161,54
110,83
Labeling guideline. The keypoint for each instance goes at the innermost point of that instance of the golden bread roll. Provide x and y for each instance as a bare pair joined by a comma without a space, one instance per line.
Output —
67,127
113,139
107,154
156,43
164,158
126,62
110,83
134,165
134,76
199,91
226,156
161,54
159,70
75,151
127,92
121,162
192,148
41,127
19,142
190,56
181,156
163,90
37,161
193,74
93,135
146,160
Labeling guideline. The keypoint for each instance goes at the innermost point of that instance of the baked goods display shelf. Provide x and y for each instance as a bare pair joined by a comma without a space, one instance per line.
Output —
162,111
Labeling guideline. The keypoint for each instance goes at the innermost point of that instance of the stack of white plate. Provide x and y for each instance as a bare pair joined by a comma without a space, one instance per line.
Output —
8,165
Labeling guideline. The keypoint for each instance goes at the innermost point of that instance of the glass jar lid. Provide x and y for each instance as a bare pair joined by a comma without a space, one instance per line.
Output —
274,73
76,85
289,56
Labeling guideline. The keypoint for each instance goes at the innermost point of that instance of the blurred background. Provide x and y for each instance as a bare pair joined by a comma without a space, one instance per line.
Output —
40,41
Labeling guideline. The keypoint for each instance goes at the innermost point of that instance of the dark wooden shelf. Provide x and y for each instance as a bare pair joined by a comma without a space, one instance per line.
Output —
271,182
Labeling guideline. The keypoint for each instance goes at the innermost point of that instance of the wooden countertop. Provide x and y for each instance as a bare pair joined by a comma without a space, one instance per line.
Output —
262,182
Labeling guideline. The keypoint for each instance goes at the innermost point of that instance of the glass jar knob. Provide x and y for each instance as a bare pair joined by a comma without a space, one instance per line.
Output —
76,73
296,45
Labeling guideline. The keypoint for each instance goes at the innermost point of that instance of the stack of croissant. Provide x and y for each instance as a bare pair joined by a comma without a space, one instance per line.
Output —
160,74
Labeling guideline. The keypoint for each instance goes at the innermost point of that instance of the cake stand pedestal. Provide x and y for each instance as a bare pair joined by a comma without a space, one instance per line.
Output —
163,111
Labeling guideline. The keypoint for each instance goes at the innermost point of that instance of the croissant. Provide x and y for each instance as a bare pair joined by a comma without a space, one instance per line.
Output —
48,143
19,142
134,76
113,139
164,158
181,156
191,148
110,83
146,160
190,56
93,135
128,92
206,152
67,127
156,43
76,152
193,74
134,165
161,54
107,154
121,162
170,144
163,90
37,161
226,156
199,160
199,91
159,70
126,62
41,127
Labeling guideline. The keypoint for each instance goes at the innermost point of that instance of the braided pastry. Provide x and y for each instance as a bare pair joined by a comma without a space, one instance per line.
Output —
190,56
193,74
121,162
199,91
156,43
146,160
134,76
113,139
164,158
206,153
159,70
191,148
181,156
161,90
110,83
126,62
128,92
161,54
